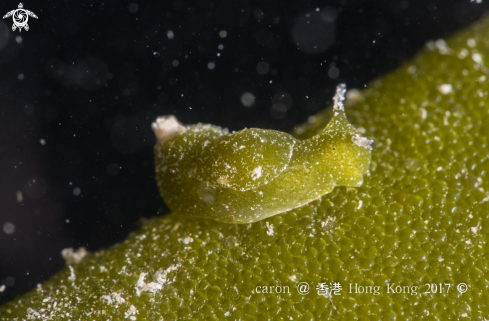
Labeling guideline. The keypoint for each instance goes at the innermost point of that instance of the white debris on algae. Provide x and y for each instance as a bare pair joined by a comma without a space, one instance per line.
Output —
114,297
270,229
161,278
71,256
131,313
256,173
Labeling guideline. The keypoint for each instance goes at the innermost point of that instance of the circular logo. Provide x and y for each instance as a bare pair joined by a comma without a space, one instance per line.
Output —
462,287
303,288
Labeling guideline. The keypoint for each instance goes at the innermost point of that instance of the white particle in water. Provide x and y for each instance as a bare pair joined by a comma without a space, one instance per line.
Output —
248,99
9,228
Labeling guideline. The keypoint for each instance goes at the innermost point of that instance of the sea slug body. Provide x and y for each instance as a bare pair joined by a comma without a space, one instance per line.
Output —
246,176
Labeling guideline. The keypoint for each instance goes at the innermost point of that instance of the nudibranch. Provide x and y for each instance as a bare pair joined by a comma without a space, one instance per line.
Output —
245,176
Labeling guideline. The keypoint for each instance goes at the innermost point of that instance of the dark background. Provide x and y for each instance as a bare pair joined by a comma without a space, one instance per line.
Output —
79,90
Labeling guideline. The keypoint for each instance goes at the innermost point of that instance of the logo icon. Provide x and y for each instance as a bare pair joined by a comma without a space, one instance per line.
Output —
20,17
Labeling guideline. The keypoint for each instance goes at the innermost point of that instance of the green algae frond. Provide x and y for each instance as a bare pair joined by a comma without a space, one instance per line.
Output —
421,218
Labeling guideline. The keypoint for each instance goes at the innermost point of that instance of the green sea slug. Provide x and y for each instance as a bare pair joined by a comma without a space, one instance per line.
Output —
246,176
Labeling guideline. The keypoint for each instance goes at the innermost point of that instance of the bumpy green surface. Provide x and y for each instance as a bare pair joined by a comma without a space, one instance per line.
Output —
253,174
422,216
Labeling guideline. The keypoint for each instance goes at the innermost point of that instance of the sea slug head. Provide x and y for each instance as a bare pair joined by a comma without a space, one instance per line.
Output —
345,151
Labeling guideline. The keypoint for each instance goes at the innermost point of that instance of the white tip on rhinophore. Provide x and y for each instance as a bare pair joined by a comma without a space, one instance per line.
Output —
339,97
165,126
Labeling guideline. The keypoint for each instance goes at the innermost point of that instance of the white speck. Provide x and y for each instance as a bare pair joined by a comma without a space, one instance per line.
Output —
223,33
2,288
227,314
477,58
177,225
423,112
42,141
186,240
170,34
19,195
33,314
411,69
474,229
103,269
211,65
142,286
248,99
293,278
9,228
18,39
161,277
114,297
131,312
471,42
354,96
360,203
445,89
256,173
442,47
76,191
141,237
270,229
72,276
362,141
20,76
71,256
328,226
463,53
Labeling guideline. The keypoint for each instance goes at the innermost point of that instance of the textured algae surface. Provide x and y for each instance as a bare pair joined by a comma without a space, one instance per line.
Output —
420,217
